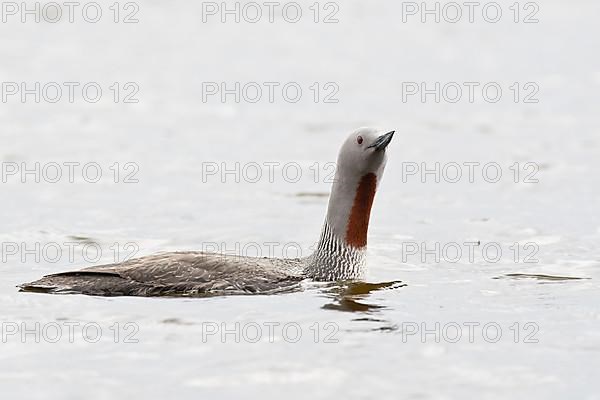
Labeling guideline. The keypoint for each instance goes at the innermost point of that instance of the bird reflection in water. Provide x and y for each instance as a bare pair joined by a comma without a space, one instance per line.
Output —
349,296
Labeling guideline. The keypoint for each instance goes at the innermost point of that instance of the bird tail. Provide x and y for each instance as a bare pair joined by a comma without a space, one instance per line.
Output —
78,282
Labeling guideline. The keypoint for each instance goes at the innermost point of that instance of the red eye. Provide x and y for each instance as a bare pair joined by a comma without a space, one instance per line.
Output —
359,139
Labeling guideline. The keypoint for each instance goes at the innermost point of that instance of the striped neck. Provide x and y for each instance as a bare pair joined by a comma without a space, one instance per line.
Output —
334,260
340,253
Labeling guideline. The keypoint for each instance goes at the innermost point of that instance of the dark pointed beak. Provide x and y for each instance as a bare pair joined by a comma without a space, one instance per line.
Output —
382,141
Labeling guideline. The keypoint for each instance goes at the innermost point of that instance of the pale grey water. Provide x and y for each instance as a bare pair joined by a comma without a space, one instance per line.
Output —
170,133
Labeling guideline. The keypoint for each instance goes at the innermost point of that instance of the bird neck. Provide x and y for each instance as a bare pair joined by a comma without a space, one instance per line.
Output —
340,253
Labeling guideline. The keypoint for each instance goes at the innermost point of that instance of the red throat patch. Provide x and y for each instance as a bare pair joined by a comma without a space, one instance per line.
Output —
358,223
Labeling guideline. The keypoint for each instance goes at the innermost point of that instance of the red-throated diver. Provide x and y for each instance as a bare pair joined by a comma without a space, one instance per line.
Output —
340,253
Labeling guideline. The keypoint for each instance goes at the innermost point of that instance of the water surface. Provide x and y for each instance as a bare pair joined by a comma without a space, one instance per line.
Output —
419,328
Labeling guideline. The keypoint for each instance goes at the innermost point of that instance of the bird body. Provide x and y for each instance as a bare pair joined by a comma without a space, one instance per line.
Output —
339,255
178,274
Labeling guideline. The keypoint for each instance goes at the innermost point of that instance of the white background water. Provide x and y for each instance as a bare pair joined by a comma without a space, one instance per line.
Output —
392,349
